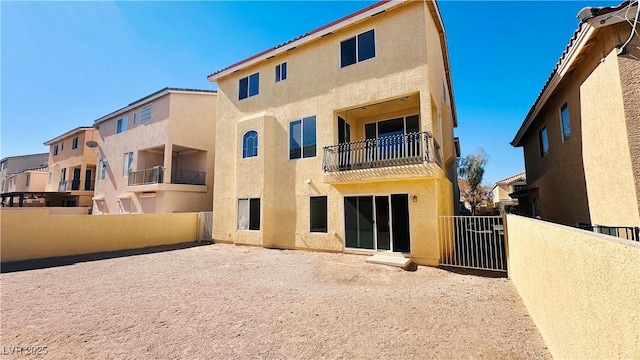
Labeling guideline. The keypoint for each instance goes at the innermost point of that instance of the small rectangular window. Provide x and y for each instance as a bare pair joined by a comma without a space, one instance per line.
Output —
61,146
248,214
28,179
318,214
122,125
566,126
302,138
281,71
135,118
63,174
249,86
55,150
127,164
358,48
145,114
50,177
543,141
74,143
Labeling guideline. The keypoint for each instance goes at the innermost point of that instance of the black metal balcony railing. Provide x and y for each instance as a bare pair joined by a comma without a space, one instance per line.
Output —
89,184
69,185
147,176
622,232
190,177
404,149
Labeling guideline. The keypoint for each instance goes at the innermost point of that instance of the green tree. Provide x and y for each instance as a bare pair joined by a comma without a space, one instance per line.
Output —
471,169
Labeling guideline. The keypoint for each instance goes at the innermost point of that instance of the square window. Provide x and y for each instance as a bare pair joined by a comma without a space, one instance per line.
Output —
281,71
358,48
566,126
318,214
249,86
543,141
248,214
302,138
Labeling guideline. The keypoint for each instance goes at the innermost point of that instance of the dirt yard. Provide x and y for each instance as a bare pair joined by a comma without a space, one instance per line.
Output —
224,301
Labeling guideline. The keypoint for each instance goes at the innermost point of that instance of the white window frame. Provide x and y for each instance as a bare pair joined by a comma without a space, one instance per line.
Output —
122,125
102,169
375,46
55,150
127,164
564,137
248,218
74,143
278,71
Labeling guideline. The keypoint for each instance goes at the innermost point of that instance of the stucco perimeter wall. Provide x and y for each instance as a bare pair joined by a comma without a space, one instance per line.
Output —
581,288
37,234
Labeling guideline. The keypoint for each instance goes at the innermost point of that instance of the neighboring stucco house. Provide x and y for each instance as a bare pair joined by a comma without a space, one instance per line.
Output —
341,139
156,154
14,187
506,192
581,138
72,168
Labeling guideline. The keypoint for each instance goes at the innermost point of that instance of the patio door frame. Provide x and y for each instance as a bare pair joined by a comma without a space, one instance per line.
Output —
375,222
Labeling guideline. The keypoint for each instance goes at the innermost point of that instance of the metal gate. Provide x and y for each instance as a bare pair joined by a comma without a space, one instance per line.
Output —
205,226
474,242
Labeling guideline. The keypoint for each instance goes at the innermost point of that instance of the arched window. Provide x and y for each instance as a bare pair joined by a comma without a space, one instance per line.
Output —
250,144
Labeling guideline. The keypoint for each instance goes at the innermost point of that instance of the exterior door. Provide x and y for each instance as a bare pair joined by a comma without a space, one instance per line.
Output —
344,148
88,179
75,183
377,222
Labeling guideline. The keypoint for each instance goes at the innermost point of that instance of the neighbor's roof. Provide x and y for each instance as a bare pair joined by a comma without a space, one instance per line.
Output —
511,179
68,133
340,24
150,98
569,58
23,156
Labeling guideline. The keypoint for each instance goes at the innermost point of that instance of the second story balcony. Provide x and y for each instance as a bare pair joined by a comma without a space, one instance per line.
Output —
156,175
76,185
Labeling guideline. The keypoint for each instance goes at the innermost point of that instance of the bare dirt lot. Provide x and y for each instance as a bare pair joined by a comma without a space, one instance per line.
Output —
224,301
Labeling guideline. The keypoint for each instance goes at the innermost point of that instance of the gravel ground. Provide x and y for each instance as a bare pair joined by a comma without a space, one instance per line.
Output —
224,301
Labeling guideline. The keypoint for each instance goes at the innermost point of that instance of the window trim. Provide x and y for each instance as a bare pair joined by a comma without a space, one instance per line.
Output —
281,75
122,125
564,136
248,200
301,120
544,130
28,180
255,144
127,161
356,36
249,82
326,214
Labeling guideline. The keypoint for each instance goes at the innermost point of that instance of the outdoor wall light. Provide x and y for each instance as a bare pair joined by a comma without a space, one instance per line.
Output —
308,181
415,198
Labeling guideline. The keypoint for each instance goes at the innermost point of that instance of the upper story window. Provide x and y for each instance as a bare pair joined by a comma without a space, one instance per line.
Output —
28,180
564,119
74,143
49,178
135,118
250,144
281,71
102,169
145,114
127,164
249,86
55,150
543,141
302,138
358,48
122,125
62,146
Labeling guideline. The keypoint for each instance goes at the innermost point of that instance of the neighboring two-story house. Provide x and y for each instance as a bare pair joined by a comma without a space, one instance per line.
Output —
506,192
341,139
581,138
72,168
156,154
20,177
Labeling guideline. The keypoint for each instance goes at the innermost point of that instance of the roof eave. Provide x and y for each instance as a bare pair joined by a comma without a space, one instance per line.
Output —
68,133
584,34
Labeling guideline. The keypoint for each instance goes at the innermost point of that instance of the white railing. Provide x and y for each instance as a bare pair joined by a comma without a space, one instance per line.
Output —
474,242
205,226
403,149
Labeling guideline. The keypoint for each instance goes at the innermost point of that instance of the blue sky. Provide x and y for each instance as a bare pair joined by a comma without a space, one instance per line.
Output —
65,64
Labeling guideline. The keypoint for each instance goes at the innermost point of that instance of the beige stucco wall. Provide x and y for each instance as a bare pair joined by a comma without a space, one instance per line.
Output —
606,154
580,288
178,120
18,182
62,235
81,157
317,86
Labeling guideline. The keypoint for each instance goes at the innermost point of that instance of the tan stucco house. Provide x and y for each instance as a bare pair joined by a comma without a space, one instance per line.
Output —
72,168
14,187
341,139
156,154
581,138
506,192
